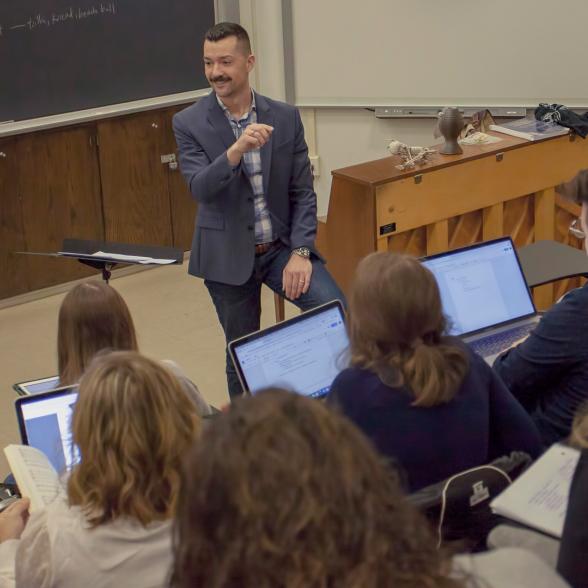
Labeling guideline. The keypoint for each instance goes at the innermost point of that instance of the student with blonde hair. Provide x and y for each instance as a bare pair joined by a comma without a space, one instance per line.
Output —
423,398
94,316
132,425
281,491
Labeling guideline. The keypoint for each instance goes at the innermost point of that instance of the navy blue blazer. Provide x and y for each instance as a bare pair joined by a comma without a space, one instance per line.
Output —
223,246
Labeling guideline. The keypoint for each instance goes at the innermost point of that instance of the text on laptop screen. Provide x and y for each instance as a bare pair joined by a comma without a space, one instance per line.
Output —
304,356
47,422
481,287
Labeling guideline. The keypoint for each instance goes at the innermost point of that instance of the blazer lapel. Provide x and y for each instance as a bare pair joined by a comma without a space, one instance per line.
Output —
265,116
219,121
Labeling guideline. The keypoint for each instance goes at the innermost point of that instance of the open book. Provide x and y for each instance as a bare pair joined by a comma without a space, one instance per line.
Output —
35,477
539,497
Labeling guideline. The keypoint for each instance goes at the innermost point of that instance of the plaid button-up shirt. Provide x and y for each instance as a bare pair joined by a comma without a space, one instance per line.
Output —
252,164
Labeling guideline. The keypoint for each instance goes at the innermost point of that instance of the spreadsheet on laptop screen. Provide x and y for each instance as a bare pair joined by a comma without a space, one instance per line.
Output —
481,286
304,356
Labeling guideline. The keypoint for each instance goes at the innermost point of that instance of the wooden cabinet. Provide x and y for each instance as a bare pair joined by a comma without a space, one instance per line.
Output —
134,182
13,272
103,181
182,204
59,187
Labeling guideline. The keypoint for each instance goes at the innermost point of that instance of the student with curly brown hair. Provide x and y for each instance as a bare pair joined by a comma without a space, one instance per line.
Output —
283,492
132,424
423,398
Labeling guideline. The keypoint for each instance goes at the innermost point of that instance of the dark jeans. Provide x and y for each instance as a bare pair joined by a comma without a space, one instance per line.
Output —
239,307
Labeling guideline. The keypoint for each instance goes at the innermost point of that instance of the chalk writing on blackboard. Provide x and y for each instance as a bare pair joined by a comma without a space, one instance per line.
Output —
72,14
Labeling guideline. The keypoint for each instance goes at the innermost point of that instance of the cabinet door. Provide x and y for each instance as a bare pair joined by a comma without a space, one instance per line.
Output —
182,204
60,190
134,181
13,267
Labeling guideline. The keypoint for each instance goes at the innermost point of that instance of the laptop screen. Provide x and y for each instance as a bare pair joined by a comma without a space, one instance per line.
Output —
303,354
37,386
481,286
44,421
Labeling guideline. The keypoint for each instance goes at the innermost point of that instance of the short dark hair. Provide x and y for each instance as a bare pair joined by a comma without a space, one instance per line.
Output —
576,189
222,30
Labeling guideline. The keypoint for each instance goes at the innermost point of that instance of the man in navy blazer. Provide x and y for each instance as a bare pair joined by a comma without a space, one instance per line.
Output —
246,162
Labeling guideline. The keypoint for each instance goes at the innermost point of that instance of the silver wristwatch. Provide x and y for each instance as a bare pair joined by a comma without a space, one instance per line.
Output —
302,252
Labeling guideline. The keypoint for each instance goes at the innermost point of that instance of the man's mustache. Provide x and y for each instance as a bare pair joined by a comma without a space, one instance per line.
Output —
220,79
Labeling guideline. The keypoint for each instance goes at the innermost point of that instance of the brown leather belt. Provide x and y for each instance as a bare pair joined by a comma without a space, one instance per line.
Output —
262,248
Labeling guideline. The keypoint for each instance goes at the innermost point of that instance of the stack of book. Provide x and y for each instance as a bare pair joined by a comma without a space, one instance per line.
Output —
531,129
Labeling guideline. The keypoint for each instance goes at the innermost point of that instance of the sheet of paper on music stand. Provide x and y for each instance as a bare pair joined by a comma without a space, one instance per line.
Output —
539,497
132,258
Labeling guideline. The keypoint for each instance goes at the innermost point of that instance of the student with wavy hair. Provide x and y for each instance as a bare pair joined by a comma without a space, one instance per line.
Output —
423,398
281,491
132,425
94,316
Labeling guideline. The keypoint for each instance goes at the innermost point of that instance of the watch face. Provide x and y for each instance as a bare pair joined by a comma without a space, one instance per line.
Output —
302,251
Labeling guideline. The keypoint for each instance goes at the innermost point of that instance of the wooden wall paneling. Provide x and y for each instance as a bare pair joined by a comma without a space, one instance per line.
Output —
518,220
437,237
544,210
13,268
465,229
413,242
182,205
60,189
493,222
135,188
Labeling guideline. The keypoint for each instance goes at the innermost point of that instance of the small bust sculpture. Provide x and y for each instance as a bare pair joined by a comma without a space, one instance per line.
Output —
450,126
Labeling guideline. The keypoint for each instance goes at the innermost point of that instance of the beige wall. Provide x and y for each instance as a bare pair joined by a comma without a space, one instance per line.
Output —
339,136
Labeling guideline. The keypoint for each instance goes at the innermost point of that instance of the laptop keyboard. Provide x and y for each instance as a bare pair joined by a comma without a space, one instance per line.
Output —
499,342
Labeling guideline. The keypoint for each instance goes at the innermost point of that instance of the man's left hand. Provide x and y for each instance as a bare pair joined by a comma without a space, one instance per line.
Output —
296,276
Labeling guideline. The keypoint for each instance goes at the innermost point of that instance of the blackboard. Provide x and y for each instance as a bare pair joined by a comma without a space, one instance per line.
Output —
59,56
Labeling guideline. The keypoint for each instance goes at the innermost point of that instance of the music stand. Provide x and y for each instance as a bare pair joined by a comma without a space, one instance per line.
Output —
85,251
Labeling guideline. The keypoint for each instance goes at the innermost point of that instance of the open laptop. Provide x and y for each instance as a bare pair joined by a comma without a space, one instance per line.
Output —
44,422
485,296
36,386
303,354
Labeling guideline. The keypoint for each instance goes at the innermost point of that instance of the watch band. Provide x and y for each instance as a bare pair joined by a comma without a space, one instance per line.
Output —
302,252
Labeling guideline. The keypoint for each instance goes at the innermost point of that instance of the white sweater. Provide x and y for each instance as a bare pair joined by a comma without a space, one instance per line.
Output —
59,550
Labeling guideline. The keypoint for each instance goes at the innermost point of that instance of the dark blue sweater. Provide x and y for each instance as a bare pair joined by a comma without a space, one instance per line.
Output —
548,372
482,422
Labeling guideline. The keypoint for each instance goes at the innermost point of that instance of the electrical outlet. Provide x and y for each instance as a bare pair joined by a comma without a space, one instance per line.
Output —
315,165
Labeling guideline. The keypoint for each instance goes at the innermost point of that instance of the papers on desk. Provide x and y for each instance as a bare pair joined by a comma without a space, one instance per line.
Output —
120,257
539,497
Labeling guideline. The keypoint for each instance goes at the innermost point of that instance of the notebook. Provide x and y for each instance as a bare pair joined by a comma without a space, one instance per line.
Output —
302,354
539,497
37,386
485,296
44,422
